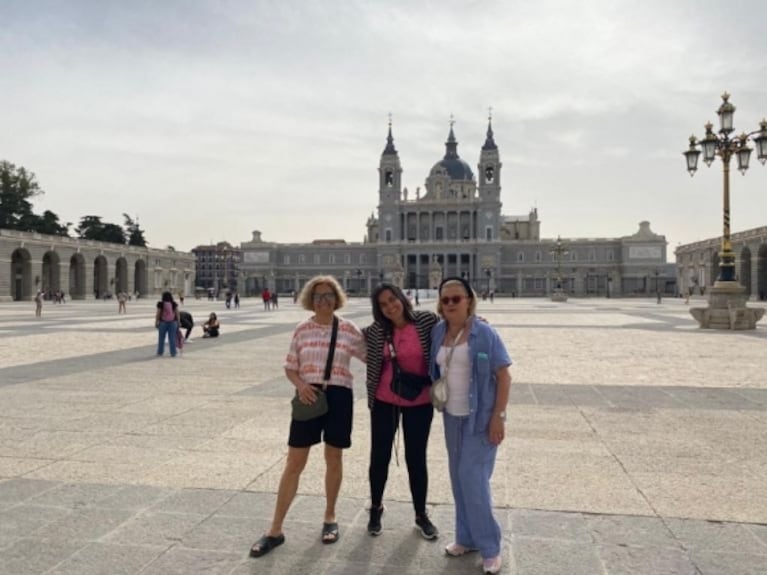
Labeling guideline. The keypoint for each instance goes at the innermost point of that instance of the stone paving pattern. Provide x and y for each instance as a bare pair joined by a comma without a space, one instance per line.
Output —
636,444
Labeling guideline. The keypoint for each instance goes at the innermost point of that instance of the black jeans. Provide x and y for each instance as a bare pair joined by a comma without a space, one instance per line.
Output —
416,425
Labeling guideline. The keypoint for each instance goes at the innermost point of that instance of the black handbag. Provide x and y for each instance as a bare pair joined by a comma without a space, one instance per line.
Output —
405,384
301,411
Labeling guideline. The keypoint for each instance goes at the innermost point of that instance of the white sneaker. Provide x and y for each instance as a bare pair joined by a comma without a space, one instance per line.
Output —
492,565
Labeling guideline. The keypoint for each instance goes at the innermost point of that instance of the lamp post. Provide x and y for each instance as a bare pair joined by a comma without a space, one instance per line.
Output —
359,281
727,299
560,249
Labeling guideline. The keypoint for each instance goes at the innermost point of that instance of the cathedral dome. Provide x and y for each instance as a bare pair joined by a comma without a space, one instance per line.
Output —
456,168
452,165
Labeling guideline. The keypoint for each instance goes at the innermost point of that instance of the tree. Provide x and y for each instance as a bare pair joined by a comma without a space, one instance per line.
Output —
17,188
92,228
48,223
134,232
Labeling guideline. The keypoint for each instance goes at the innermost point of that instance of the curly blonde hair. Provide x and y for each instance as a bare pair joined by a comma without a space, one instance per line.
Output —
307,292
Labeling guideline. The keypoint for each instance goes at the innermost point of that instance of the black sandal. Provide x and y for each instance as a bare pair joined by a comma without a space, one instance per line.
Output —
330,533
266,544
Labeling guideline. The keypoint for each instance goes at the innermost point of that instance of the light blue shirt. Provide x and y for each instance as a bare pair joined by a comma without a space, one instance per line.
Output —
487,354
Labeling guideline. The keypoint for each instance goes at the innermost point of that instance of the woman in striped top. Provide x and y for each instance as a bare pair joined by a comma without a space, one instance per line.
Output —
409,333
304,367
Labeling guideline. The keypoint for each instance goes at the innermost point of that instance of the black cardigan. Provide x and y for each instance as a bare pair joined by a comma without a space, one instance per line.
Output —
375,336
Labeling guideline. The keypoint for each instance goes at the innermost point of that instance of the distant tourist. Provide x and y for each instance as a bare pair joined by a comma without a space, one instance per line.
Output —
267,298
122,298
211,327
275,300
39,304
166,322
236,300
186,322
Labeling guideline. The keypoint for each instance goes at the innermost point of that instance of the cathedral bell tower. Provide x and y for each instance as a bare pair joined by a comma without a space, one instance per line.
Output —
389,190
489,169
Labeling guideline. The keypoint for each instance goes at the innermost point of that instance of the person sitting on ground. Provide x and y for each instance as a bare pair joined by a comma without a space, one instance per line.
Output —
212,326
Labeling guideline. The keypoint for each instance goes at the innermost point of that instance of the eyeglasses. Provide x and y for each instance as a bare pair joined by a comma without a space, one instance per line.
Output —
455,299
328,297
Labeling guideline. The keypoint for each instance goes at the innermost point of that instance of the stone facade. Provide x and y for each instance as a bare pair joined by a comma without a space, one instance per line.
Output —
84,269
456,227
697,264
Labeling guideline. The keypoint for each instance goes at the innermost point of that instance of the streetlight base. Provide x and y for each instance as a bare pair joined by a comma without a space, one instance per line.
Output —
559,295
727,308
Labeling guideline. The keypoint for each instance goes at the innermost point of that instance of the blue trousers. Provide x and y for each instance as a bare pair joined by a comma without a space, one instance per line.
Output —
471,458
169,329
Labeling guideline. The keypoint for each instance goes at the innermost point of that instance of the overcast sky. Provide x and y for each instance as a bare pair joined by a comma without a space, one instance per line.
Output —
210,119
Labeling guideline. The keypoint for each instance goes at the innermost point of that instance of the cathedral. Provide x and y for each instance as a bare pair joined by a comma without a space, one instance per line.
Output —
456,227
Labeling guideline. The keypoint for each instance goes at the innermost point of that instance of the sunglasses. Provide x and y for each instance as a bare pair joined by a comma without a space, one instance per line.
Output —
318,297
456,299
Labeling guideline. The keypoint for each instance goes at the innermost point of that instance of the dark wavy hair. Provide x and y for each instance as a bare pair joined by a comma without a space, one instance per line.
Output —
378,315
167,296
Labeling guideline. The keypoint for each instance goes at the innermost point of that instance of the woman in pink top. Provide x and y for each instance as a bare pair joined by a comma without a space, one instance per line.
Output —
407,333
305,367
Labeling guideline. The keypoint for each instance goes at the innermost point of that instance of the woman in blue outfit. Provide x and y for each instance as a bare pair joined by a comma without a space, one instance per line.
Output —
474,361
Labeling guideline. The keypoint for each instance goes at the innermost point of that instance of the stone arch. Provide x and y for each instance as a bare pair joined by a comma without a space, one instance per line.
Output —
761,273
51,274
77,276
714,268
745,269
121,275
21,275
100,277
140,278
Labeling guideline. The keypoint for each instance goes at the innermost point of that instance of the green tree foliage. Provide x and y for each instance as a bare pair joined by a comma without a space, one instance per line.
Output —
48,223
92,228
134,232
17,188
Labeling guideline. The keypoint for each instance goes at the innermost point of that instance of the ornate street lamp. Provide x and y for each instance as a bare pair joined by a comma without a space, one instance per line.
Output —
727,298
725,147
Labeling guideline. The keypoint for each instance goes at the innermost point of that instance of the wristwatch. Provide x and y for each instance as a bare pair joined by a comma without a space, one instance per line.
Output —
502,415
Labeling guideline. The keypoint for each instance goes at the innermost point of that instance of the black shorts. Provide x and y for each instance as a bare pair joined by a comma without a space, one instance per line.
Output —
334,428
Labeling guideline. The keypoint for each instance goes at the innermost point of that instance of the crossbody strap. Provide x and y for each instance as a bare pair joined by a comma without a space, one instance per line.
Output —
392,350
331,353
450,352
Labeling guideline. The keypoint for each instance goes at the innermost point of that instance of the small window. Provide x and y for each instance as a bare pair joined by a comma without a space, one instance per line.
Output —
286,259
610,255
316,258
592,256
302,259
332,259
363,259
347,258
489,234
538,256
388,236
520,256
573,256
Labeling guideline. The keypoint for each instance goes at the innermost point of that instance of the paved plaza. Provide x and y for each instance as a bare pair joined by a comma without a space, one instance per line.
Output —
636,444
